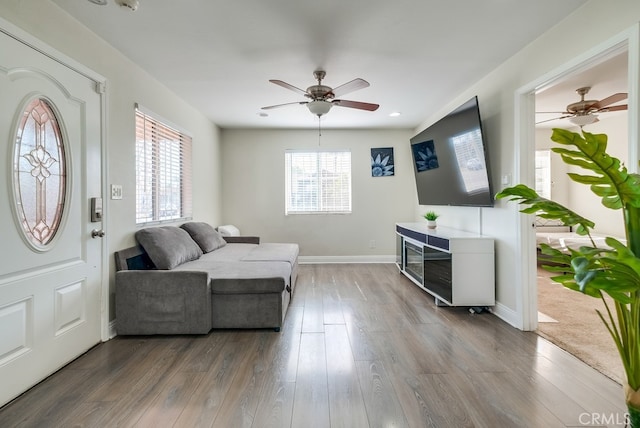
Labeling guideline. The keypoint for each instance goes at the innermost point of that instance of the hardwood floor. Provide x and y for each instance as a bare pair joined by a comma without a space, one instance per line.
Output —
362,347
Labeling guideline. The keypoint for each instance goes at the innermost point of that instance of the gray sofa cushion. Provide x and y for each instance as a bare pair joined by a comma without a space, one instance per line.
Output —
272,252
168,246
204,235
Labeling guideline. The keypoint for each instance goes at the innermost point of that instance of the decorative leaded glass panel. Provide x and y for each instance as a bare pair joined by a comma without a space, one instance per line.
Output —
39,173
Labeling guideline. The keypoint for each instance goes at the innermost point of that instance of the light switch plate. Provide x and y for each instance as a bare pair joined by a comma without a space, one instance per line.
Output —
116,191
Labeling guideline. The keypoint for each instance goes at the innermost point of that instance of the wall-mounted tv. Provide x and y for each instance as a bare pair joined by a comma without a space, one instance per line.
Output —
450,160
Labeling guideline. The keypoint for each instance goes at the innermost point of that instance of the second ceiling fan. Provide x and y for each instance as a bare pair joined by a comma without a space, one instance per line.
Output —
583,112
323,97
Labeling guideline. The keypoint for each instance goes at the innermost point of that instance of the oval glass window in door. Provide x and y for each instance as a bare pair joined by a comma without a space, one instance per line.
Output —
39,173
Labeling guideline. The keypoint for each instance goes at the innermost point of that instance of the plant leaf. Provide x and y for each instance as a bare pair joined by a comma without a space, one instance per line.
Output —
610,173
545,208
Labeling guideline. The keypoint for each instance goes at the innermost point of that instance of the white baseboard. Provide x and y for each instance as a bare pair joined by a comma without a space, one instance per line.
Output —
346,259
112,329
507,315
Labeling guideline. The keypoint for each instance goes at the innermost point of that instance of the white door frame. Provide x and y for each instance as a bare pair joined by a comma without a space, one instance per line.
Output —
17,33
526,295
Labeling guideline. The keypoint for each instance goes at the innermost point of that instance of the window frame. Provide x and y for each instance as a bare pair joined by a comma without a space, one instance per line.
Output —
543,183
162,151
322,205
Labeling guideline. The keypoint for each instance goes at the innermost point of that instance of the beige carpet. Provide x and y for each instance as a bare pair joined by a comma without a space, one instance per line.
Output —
569,320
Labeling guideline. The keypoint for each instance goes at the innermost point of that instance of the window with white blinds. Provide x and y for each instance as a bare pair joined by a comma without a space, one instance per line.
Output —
163,171
543,173
317,182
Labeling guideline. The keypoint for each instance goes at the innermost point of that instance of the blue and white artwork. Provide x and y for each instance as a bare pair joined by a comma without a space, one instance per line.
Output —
382,162
424,154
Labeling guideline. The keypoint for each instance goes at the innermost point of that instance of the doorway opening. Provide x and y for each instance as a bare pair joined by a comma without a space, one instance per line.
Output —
566,318
538,294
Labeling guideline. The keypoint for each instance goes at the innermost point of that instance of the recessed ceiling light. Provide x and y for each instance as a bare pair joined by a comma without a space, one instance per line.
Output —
99,2
395,114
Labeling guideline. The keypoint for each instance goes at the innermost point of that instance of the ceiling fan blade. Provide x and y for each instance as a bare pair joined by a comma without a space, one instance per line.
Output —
555,118
282,105
354,85
356,104
289,87
613,108
611,100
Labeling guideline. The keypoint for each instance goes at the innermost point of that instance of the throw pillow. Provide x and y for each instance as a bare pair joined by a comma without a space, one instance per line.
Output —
229,230
168,246
204,235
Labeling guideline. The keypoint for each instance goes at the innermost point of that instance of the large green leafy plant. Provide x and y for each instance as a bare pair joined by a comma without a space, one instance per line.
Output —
614,270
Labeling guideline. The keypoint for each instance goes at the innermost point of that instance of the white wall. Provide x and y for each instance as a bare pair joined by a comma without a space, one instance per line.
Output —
496,94
127,84
253,192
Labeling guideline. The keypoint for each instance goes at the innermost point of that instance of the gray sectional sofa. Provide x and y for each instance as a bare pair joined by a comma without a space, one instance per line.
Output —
190,279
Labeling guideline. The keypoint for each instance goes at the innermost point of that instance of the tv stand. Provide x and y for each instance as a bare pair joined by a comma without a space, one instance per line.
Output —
455,267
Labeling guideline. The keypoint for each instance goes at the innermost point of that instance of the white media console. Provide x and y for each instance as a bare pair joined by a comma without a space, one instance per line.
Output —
454,266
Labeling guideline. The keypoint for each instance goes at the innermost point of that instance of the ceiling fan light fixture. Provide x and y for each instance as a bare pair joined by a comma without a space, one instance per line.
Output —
319,107
583,119
129,4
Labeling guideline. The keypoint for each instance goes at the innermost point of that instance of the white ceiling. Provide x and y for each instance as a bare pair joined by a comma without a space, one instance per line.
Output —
417,55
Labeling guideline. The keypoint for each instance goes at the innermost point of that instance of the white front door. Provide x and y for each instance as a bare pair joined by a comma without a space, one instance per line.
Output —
50,168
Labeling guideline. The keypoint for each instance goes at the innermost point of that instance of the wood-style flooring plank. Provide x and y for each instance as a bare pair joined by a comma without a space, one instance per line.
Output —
382,403
206,401
86,414
332,302
363,347
444,404
403,371
346,404
171,400
313,316
311,402
569,365
147,383
581,389
564,407
275,406
121,379
365,315
241,401
511,403
203,351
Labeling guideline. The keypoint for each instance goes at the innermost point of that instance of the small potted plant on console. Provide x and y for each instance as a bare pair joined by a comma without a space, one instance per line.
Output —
431,217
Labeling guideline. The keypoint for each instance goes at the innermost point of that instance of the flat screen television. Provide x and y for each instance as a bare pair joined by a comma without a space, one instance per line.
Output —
450,160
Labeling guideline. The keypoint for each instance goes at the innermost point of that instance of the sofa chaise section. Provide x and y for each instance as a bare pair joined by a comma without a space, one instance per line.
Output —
236,283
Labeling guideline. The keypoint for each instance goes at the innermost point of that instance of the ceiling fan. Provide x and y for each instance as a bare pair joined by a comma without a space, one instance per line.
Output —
583,112
324,97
